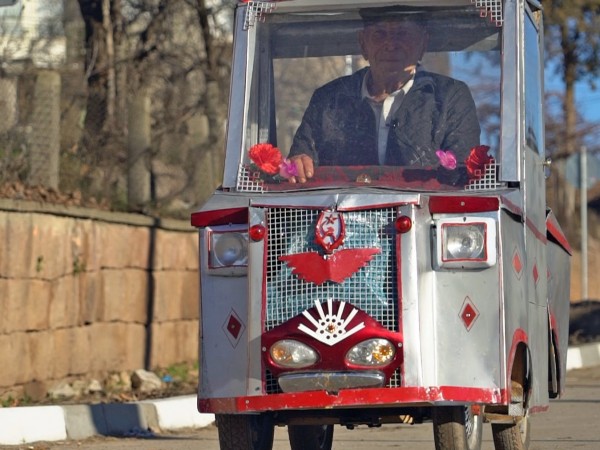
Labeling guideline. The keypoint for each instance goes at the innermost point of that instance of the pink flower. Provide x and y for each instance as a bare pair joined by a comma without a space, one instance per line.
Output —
447,159
288,169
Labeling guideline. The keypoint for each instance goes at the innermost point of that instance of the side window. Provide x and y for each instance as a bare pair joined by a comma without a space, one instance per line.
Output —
534,137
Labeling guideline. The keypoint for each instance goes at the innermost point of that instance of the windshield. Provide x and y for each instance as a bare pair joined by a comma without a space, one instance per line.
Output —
387,97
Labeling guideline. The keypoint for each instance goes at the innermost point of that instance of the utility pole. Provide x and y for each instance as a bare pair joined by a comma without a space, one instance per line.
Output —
584,224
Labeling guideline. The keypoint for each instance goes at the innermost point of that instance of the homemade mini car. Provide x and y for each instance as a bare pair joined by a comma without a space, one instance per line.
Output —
378,294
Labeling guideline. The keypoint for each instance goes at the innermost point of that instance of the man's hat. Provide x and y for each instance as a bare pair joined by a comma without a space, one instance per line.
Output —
374,15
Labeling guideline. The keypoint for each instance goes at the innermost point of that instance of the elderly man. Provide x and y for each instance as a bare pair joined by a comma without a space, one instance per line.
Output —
390,113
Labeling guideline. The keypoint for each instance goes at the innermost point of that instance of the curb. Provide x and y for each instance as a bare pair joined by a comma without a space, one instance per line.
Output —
56,423
584,355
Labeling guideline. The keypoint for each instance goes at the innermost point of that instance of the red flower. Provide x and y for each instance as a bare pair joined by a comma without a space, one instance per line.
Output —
477,160
266,157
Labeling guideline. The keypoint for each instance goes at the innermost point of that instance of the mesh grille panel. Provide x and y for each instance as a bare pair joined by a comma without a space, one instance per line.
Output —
373,288
246,182
491,9
488,180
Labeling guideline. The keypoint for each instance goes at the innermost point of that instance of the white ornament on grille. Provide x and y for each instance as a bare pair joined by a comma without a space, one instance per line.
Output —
488,181
246,182
330,328
256,12
491,9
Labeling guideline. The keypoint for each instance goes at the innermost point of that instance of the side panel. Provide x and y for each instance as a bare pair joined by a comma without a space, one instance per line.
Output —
559,279
224,321
465,326
534,190
515,306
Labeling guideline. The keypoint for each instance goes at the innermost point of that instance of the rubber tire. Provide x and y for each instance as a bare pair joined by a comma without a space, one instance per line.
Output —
310,437
453,431
245,431
513,436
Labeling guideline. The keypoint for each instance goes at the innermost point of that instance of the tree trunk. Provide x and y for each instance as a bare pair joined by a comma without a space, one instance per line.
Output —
100,64
107,23
203,176
567,190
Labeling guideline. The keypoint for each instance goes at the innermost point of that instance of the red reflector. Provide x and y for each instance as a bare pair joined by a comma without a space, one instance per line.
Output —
257,232
444,204
220,217
403,224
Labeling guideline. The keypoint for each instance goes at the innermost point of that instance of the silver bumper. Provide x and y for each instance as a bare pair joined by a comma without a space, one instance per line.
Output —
330,381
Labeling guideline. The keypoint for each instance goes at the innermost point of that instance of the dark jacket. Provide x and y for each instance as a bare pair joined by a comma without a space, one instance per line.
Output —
339,128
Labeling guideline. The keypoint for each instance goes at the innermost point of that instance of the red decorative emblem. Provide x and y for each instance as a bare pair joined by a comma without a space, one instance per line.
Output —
336,267
468,313
233,328
330,230
517,263
314,268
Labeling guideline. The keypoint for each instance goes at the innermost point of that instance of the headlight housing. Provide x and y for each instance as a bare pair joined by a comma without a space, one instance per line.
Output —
227,247
465,243
292,354
371,353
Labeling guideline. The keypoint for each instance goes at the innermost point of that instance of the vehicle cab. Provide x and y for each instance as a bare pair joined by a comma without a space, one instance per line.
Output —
418,274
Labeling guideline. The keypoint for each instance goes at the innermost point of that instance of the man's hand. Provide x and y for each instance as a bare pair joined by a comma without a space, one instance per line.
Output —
304,165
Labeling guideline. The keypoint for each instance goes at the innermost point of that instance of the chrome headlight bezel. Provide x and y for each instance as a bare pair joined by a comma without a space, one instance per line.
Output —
227,248
479,249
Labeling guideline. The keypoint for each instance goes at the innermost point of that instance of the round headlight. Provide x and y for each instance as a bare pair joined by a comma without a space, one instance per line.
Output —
230,248
292,354
372,352
465,242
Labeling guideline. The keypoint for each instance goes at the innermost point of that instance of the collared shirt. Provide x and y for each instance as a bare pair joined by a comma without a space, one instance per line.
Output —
384,112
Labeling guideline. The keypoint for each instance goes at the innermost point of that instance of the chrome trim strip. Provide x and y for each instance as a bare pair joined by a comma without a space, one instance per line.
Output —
330,381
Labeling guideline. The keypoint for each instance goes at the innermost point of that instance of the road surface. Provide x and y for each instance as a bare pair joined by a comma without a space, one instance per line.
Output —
572,423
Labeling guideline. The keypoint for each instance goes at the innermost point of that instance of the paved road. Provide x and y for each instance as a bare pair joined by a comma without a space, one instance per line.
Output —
572,423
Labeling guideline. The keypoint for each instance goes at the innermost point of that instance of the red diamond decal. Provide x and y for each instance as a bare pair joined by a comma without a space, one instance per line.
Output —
517,264
536,274
233,328
468,313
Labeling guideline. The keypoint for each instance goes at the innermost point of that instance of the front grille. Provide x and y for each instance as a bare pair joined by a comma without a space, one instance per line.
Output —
373,288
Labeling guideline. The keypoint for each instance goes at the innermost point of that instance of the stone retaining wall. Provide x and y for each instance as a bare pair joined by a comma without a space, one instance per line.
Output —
84,292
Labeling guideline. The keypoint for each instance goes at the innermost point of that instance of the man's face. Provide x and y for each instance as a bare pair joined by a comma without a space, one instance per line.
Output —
393,47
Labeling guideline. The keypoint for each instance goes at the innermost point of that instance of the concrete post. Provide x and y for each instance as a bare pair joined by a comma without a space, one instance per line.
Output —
138,153
8,104
45,134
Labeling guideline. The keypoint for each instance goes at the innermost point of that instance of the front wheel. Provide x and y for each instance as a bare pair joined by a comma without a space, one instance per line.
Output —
245,431
310,437
514,436
457,428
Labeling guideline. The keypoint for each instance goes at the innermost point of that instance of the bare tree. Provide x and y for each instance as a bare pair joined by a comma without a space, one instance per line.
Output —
176,52
572,40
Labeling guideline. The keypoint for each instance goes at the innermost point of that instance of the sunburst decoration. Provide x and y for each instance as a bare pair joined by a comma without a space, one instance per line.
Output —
330,328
